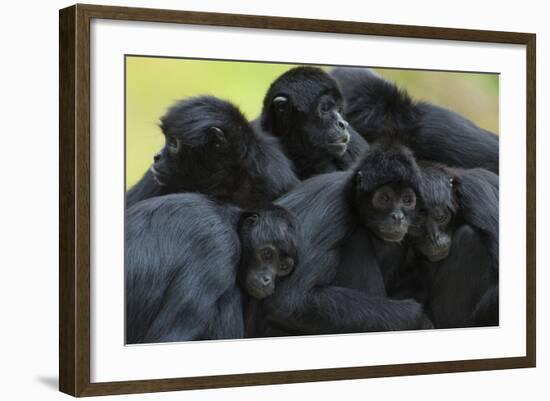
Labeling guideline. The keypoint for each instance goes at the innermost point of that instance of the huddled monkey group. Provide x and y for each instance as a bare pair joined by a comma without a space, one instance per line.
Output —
346,207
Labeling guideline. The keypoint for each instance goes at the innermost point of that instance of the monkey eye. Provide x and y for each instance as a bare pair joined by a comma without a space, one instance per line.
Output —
442,218
407,199
287,266
172,143
267,254
326,107
385,198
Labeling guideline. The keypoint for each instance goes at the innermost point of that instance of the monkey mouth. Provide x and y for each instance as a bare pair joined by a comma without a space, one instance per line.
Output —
341,140
259,293
392,236
339,145
438,255
157,176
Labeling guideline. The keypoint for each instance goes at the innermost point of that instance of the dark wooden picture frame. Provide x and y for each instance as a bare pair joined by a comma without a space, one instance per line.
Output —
74,202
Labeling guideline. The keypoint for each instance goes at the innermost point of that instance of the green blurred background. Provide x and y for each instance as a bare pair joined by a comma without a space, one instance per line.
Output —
153,84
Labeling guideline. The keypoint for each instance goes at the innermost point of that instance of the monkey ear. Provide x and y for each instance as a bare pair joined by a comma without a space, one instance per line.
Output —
358,179
455,188
248,219
217,136
280,103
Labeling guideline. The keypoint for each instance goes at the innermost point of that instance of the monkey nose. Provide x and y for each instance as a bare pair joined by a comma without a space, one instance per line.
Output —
265,280
436,238
156,157
342,124
397,217
341,140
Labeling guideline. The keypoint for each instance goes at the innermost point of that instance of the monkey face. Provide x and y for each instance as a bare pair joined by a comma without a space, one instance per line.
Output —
386,211
304,107
431,232
332,128
267,263
269,240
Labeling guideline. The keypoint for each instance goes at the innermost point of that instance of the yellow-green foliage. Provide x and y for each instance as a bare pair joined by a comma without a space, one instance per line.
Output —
153,84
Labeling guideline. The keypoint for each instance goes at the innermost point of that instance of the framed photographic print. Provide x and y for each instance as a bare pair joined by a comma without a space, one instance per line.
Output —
250,200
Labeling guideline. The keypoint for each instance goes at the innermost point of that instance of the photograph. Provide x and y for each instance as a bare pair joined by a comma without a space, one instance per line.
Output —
273,199
243,201
256,200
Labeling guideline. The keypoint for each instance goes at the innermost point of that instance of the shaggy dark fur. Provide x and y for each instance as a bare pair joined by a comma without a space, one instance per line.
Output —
210,148
185,256
461,289
378,109
303,108
315,299
386,163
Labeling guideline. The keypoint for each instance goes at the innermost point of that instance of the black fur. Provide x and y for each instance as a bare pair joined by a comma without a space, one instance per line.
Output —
388,162
473,197
477,193
378,109
460,290
385,163
306,132
210,148
184,262
317,299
